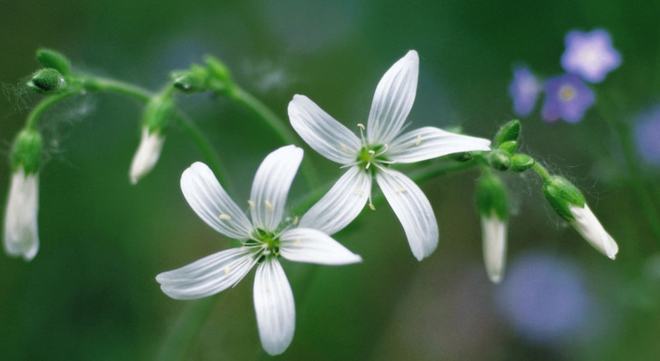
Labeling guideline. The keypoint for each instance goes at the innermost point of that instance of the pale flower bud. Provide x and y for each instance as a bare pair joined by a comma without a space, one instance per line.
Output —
147,155
493,231
21,237
585,222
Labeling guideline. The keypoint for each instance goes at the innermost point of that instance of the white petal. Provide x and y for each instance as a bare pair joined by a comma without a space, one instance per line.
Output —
313,246
322,132
429,142
147,155
271,186
393,99
21,238
589,227
273,304
341,205
209,275
493,232
413,210
209,200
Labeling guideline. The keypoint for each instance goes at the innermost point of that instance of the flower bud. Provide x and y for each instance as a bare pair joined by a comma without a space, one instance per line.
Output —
157,116
499,159
569,203
191,81
510,131
521,162
20,229
510,146
493,208
47,80
462,156
49,58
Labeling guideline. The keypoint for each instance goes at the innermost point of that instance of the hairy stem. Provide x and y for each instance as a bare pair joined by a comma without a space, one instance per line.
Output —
35,115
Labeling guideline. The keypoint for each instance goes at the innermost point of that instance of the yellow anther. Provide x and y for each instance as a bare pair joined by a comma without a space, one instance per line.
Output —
224,217
361,126
269,206
418,140
251,203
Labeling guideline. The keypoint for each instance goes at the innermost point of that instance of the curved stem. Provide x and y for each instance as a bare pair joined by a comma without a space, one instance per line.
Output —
185,330
541,171
93,83
33,118
276,124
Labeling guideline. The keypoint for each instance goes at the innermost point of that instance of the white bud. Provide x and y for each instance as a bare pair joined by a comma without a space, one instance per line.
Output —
147,155
21,238
586,223
493,232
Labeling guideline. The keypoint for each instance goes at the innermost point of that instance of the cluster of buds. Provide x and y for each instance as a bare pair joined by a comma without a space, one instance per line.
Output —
564,197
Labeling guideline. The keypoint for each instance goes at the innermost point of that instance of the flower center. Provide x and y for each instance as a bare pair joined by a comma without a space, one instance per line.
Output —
370,155
269,242
567,93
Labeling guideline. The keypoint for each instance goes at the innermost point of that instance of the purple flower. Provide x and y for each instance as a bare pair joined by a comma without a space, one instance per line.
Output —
524,90
590,55
545,298
566,97
647,135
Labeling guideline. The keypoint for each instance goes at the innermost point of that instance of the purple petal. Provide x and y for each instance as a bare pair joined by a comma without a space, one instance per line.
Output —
590,55
524,90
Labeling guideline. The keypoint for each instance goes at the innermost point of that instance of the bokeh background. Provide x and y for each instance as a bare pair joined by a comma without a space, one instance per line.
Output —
90,294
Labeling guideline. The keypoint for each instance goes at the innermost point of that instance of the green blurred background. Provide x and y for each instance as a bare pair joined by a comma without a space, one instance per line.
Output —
90,294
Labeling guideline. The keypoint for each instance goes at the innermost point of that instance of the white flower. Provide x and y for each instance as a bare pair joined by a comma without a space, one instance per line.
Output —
21,238
493,231
147,155
266,236
586,223
370,156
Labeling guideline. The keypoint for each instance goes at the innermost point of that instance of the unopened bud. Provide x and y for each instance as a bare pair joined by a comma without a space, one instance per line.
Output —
49,58
563,195
47,80
491,197
192,80
499,159
521,162
510,146
510,131
493,208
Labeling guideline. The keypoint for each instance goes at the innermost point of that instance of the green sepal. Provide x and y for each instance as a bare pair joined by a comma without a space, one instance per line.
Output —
50,58
499,159
521,162
158,113
510,146
492,197
47,80
219,75
510,131
562,194
26,151
192,80
462,156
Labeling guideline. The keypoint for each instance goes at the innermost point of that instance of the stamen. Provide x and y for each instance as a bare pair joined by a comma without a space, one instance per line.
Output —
227,269
224,217
418,140
295,220
269,206
362,128
251,203
401,190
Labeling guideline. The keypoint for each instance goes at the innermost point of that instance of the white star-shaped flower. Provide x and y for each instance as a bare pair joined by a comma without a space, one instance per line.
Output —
371,156
266,236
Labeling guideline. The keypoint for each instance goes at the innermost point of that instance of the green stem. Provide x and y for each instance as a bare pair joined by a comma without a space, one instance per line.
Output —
541,171
93,83
277,125
47,102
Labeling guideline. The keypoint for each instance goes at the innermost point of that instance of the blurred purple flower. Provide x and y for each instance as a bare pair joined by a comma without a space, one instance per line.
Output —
524,90
567,97
544,298
590,55
647,135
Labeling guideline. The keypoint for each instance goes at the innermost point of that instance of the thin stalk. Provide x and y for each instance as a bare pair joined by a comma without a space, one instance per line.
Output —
541,171
276,124
35,115
93,83
185,330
